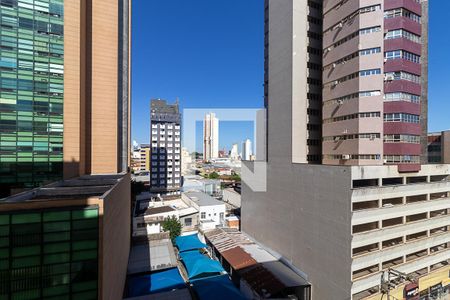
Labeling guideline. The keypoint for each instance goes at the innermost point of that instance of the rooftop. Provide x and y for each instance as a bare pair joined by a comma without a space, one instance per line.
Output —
264,272
158,210
203,199
79,188
152,253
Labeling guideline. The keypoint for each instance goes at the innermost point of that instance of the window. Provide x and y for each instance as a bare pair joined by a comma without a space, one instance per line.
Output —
401,138
401,117
401,12
402,96
402,159
188,222
57,251
203,215
401,33
401,75
370,51
389,55
353,116
370,72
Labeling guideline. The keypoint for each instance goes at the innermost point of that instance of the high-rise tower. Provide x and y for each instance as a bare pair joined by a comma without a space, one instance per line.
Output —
165,163
371,205
64,90
210,137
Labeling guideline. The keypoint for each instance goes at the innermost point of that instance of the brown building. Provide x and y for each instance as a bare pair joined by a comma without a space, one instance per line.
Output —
439,147
71,238
96,87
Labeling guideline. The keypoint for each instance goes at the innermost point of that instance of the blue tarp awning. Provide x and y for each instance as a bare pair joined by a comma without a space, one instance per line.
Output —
188,242
155,283
198,266
191,255
217,288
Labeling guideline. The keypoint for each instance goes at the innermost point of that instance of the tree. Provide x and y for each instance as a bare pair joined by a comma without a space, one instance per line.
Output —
173,225
236,177
213,175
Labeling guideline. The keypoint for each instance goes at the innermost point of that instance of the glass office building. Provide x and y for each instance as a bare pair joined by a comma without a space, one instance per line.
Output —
49,254
31,92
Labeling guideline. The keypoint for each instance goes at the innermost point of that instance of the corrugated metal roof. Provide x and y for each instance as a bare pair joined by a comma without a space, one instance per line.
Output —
262,281
238,258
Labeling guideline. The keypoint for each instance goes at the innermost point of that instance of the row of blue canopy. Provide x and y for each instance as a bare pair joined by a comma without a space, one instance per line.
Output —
163,281
206,275
189,242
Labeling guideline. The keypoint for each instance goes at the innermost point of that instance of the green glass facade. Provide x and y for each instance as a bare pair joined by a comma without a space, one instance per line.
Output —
49,254
31,92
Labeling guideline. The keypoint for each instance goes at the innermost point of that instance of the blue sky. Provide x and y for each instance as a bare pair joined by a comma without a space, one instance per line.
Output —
209,54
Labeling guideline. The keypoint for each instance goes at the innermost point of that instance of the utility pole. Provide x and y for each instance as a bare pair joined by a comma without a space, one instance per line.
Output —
392,275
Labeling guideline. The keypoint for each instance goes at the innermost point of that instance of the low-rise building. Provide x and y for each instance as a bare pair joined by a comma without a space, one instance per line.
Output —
211,211
149,216
77,230
258,273
200,184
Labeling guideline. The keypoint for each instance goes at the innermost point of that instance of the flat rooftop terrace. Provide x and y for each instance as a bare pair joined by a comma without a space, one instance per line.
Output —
78,188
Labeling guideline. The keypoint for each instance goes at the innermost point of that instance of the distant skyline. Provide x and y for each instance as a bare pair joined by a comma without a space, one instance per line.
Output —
210,54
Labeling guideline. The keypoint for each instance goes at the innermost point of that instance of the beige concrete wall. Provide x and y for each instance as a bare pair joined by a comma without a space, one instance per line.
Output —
91,87
104,76
115,240
74,88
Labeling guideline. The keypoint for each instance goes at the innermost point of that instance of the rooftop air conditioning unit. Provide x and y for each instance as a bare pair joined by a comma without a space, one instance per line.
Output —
336,138
335,83
346,156
340,102
334,65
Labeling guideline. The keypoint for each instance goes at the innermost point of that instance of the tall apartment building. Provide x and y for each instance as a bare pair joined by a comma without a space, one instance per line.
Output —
342,223
64,81
375,82
439,147
65,96
165,163
210,137
141,158
246,149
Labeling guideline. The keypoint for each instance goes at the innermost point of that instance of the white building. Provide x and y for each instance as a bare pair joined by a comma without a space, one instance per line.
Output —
246,149
149,216
210,137
234,153
211,211
186,161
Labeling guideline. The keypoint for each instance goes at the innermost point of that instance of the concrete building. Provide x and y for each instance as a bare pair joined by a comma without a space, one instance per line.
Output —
210,137
212,211
439,147
57,101
149,216
234,152
375,83
338,225
70,100
246,149
79,227
186,162
141,158
165,120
